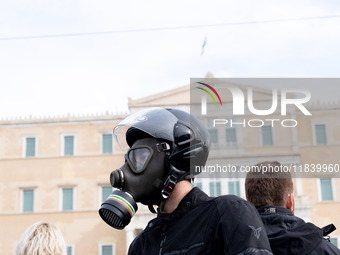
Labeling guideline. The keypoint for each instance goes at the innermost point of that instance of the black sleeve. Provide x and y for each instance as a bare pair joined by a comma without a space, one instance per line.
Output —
327,248
240,230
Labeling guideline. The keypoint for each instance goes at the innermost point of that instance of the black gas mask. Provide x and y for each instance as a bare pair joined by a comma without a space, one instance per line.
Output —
163,146
140,179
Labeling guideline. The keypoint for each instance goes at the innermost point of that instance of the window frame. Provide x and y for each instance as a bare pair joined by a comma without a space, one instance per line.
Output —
23,189
24,147
215,181
107,244
320,191
72,248
262,137
234,181
61,198
62,149
101,198
234,143
213,144
337,240
319,123
102,143
197,183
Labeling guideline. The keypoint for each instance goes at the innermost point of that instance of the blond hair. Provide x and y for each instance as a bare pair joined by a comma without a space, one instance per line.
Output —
41,238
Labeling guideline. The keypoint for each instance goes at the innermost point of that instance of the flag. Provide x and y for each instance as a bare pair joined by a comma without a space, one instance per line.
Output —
203,45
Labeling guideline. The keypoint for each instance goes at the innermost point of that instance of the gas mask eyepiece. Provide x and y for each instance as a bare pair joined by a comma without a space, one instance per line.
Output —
118,209
138,158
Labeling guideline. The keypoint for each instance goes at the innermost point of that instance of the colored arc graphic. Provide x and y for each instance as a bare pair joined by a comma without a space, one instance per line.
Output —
210,87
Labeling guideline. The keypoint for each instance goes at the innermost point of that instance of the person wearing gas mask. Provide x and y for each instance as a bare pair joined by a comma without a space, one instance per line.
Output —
163,147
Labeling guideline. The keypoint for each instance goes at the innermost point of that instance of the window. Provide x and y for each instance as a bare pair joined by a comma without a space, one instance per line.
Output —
70,250
68,145
30,147
267,136
215,188
107,144
67,199
334,240
197,183
231,136
234,187
107,249
213,136
326,189
28,200
106,192
320,134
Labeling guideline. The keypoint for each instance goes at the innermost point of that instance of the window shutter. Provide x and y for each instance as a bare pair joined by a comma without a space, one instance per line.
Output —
213,136
267,136
107,250
28,202
107,144
231,136
334,241
106,192
68,145
215,188
320,133
69,250
30,147
326,189
234,188
67,199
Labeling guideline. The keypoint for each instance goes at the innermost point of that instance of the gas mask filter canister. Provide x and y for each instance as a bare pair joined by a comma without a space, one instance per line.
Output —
140,179
118,209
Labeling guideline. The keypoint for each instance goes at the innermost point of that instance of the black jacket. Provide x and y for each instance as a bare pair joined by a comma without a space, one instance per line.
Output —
204,225
290,235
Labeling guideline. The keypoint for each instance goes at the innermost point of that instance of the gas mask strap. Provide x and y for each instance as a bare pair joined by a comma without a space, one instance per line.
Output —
163,146
174,177
151,208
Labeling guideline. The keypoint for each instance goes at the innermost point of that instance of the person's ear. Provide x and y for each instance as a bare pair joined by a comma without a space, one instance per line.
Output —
290,202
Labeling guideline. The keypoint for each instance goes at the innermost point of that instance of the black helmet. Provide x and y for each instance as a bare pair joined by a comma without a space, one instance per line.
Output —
188,139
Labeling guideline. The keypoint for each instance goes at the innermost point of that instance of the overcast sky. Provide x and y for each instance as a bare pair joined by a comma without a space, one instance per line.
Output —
55,57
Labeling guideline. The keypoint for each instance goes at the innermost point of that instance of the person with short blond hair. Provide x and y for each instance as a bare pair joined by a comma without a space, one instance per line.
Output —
270,188
41,238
